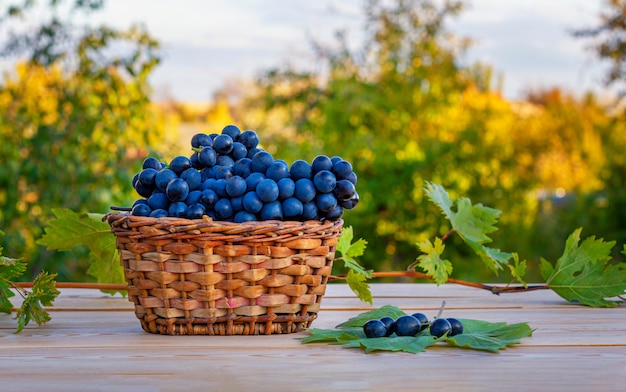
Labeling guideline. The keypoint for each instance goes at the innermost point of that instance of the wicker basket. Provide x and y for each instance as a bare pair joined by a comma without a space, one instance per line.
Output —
203,277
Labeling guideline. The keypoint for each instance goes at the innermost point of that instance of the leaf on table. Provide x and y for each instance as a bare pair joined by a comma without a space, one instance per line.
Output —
583,273
432,263
71,229
43,294
360,320
408,344
486,336
477,335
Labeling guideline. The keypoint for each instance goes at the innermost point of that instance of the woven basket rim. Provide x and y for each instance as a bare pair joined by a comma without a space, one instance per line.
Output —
125,224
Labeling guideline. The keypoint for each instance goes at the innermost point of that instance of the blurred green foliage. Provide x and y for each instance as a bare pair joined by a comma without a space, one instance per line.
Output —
404,110
75,120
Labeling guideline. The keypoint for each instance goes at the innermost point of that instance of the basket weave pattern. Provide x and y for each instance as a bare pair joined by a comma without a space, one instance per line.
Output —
202,277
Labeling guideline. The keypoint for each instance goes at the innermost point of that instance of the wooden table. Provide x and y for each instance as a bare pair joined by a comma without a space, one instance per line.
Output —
95,343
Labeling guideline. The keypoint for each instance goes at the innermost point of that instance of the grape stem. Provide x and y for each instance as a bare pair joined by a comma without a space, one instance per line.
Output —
494,289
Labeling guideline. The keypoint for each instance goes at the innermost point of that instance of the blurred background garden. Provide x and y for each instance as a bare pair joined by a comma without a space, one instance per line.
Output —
79,113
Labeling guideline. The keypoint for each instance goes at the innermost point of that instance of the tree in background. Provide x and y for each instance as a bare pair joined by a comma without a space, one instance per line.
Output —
405,110
74,125
609,38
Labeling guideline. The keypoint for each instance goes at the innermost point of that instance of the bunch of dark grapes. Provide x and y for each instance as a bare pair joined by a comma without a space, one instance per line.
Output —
228,177
411,326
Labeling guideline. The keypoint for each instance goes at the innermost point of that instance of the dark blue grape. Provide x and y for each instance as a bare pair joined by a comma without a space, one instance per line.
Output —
223,144
334,214
233,131
143,190
261,161
223,172
457,327
253,151
389,325
344,190
321,162
336,159
140,201
158,213
239,151
350,203
374,329
195,211
225,160
406,326
286,188
267,189
244,216
193,178
158,201
193,158
164,177
243,167
352,178
201,140
277,171
193,197
207,157
237,203
310,211
151,163
292,207
236,186
423,319
272,211
148,177
324,181
177,190
141,210
342,169
223,209
209,198
220,187
177,209
249,138
207,184
252,203
325,201
179,164
253,180
300,169
305,190
440,327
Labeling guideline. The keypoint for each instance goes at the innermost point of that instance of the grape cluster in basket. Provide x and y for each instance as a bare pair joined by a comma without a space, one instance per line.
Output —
228,177
411,326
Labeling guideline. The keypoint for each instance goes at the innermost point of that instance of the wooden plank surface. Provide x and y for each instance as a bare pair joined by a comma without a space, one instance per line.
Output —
95,343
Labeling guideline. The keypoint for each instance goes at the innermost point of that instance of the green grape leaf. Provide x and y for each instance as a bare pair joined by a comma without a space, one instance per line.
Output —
358,321
472,223
518,269
43,294
357,275
431,261
408,344
357,283
582,274
486,336
71,229
477,335
9,269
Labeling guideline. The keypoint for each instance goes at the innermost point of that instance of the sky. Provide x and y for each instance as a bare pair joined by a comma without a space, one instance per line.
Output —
207,43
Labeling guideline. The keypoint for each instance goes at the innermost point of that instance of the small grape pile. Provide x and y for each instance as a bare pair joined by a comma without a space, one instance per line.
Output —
411,326
228,177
